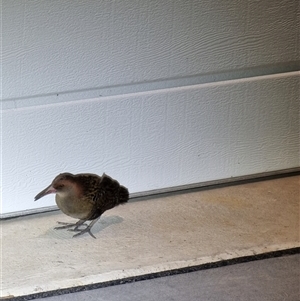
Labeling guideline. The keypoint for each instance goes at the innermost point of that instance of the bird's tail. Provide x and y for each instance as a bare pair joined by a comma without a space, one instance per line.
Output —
112,188
123,195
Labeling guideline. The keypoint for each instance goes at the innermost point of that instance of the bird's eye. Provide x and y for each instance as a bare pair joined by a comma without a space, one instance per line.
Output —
60,186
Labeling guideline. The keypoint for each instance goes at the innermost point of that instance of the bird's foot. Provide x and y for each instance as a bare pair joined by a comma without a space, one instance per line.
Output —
69,225
77,225
86,230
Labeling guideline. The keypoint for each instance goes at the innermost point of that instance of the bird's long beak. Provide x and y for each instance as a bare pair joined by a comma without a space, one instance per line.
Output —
44,192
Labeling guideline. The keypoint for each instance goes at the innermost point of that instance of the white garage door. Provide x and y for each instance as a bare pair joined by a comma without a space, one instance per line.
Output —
157,94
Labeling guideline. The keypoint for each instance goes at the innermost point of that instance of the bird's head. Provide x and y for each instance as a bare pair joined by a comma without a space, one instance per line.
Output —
62,184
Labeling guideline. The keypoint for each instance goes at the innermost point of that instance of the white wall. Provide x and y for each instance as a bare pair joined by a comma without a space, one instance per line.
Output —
155,93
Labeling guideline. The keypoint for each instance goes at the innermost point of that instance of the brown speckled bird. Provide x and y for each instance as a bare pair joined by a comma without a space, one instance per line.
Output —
86,197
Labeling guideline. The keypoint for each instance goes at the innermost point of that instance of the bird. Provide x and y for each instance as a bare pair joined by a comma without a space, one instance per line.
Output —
85,197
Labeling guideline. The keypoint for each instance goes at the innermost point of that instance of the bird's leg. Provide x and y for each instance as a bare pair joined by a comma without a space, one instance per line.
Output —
70,225
87,229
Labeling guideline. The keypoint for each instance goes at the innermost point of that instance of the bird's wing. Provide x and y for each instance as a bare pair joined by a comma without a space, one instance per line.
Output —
103,192
106,196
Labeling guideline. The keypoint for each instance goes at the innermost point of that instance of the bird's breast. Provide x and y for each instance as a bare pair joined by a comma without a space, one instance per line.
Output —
75,207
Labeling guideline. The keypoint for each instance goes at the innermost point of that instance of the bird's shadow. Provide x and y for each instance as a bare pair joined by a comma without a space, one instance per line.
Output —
100,225
106,221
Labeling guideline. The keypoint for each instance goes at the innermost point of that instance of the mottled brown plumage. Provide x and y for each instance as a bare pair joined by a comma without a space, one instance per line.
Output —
86,197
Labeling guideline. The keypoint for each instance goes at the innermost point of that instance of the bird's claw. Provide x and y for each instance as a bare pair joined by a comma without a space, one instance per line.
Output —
66,225
63,227
74,230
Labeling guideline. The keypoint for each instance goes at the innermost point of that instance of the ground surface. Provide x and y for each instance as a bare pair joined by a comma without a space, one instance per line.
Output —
147,236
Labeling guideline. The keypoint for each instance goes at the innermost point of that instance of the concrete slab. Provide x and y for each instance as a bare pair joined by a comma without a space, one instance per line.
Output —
143,237
275,279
